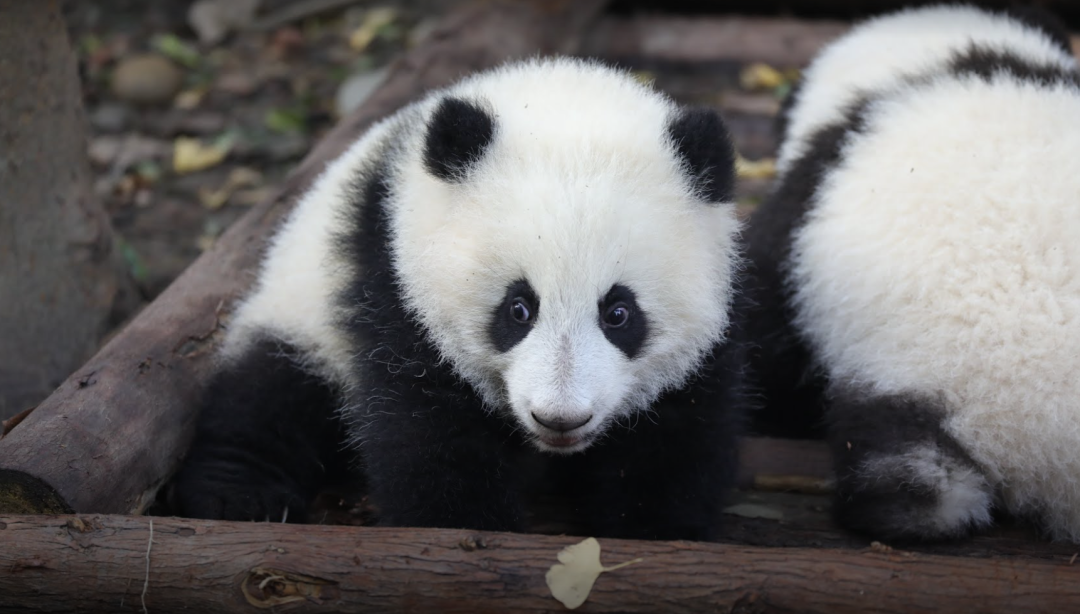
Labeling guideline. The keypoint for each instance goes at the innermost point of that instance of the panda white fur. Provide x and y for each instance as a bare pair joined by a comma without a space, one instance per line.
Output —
918,264
539,259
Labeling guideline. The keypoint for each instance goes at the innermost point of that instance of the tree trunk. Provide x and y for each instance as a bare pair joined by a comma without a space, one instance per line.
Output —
117,428
116,564
62,283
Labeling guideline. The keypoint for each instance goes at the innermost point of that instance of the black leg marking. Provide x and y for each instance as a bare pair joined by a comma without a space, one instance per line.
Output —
436,459
900,476
433,456
668,475
267,435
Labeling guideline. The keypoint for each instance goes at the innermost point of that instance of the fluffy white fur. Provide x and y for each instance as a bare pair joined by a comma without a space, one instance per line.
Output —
601,176
884,51
941,256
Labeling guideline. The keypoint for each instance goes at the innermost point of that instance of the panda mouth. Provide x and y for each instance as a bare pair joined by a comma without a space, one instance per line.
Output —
564,443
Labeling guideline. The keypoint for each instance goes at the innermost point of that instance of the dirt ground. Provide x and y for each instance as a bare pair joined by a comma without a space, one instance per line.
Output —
184,143
244,110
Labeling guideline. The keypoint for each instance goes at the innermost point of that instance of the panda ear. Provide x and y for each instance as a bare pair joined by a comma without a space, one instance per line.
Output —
703,144
458,133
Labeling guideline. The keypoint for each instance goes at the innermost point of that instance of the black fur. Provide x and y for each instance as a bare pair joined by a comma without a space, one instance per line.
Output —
899,505
986,63
630,337
458,134
433,456
780,361
705,147
1042,21
267,438
504,331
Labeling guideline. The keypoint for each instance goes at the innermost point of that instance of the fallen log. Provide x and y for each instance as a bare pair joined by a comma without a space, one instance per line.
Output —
111,434
94,564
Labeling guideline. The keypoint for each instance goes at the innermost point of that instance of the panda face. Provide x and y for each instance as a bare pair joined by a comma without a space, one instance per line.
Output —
564,251
584,352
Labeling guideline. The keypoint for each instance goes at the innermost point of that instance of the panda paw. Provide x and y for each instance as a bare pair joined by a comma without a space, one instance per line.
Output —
921,494
193,496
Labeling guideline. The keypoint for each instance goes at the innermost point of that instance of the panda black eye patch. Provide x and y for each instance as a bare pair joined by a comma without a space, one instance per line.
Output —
622,320
514,317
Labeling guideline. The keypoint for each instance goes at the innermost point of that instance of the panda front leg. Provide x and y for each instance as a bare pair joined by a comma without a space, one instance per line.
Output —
667,475
900,475
266,436
437,459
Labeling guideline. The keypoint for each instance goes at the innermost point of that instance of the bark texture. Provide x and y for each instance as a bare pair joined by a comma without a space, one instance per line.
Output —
113,563
62,283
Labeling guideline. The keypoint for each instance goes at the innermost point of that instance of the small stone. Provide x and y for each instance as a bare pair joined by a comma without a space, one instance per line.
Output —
146,79
236,83
110,117
212,20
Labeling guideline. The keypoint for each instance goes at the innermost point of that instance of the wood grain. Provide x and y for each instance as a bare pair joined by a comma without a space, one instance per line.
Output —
94,564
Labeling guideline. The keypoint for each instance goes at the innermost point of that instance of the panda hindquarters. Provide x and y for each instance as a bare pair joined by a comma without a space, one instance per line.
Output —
917,268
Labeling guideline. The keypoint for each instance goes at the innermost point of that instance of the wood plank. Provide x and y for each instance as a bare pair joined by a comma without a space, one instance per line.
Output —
94,564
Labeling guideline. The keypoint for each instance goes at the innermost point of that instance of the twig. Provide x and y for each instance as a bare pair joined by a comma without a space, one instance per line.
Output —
146,582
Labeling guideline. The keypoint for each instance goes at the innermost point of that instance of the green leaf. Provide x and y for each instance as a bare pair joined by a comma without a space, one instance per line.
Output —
176,50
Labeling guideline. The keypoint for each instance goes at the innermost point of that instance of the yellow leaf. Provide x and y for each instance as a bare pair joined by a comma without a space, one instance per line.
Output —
764,168
375,20
239,177
572,578
190,155
759,76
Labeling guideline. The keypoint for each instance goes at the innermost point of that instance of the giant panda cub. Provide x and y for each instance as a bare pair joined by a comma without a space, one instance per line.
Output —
919,265
537,262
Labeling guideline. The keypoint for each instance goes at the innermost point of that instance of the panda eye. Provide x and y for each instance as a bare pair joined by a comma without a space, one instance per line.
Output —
521,311
617,315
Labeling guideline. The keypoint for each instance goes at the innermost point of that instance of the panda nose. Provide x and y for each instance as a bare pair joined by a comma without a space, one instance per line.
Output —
561,425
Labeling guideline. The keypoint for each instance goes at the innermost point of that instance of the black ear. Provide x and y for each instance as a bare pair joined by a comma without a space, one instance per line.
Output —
702,142
457,135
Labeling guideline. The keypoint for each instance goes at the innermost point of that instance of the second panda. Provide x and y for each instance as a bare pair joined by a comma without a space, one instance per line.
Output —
538,260
919,266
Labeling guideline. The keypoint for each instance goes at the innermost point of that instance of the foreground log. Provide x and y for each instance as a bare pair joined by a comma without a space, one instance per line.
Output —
112,563
115,430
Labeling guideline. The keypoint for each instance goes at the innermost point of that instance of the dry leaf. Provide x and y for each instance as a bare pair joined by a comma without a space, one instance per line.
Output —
375,20
190,155
571,579
240,177
764,168
759,76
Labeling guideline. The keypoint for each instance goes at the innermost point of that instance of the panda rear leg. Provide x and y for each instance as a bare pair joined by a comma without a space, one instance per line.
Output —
900,476
267,436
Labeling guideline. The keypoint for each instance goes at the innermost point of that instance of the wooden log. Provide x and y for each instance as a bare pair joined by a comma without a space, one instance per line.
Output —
114,431
781,42
115,564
